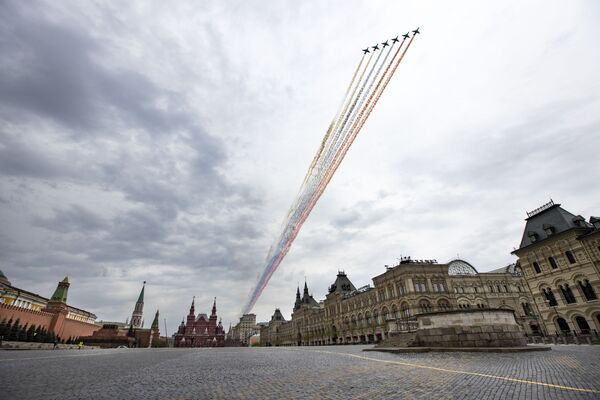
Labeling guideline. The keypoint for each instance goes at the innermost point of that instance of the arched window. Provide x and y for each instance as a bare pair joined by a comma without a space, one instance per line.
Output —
443,304
584,327
588,291
505,289
552,262
570,256
527,308
405,310
425,306
567,293
563,326
536,267
385,314
550,299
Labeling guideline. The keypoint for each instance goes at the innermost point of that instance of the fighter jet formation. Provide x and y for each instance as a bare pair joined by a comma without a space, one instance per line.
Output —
368,83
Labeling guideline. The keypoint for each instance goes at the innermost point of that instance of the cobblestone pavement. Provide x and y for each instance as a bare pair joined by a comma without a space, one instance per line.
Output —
336,372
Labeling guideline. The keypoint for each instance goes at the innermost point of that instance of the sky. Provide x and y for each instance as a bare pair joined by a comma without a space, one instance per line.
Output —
165,141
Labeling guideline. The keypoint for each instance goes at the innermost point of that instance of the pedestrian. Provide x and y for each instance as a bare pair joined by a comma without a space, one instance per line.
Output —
55,344
80,345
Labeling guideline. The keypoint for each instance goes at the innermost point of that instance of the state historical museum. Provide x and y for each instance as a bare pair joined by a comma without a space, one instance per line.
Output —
201,331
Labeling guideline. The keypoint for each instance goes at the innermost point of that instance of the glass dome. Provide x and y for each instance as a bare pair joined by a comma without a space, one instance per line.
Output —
461,267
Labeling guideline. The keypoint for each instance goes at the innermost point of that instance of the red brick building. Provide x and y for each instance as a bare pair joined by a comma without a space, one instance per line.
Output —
132,334
200,331
53,315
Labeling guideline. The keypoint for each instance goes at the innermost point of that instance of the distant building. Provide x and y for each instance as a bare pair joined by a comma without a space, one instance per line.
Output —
54,314
559,254
200,331
243,330
269,332
114,334
368,314
17,297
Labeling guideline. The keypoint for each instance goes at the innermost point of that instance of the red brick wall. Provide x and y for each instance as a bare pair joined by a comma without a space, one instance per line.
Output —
29,317
67,329
73,329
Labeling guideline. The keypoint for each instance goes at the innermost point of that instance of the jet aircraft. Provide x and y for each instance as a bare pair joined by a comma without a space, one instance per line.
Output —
406,35
385,44
365,51
376,47
416,31
395,40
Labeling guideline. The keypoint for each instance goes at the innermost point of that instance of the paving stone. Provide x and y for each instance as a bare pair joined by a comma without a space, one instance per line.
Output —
328,372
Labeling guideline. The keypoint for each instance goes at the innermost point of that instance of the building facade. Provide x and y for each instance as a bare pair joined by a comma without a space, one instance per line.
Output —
201,330
559,254
244,329
23,299
368,314
53,315
131,333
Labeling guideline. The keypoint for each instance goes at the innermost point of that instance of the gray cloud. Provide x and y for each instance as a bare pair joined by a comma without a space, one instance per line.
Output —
142,141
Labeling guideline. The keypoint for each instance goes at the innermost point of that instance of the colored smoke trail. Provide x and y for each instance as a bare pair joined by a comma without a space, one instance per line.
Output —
359,100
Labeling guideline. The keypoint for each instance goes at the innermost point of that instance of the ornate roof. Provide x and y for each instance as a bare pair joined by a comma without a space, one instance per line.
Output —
513,269
549,220
342,284
277,316
461,267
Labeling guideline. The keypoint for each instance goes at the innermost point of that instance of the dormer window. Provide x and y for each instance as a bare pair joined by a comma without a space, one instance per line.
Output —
579,221
533,237
549,229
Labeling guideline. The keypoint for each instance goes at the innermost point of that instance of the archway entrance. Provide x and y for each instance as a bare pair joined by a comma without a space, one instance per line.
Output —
584,327
563,326
334,336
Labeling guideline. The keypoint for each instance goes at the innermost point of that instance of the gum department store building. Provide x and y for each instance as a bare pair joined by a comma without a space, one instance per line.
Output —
552,289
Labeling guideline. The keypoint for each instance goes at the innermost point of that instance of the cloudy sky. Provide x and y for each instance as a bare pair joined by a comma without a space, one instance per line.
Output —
165,142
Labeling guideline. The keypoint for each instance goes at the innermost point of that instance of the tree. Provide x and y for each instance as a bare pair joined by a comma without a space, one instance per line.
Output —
22,333
43,336
30,334
37,335
3,325
14,330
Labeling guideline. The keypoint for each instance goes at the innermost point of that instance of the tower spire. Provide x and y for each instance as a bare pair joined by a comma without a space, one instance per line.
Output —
138,310
192,307
298,301
155,322
60,294
214,308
